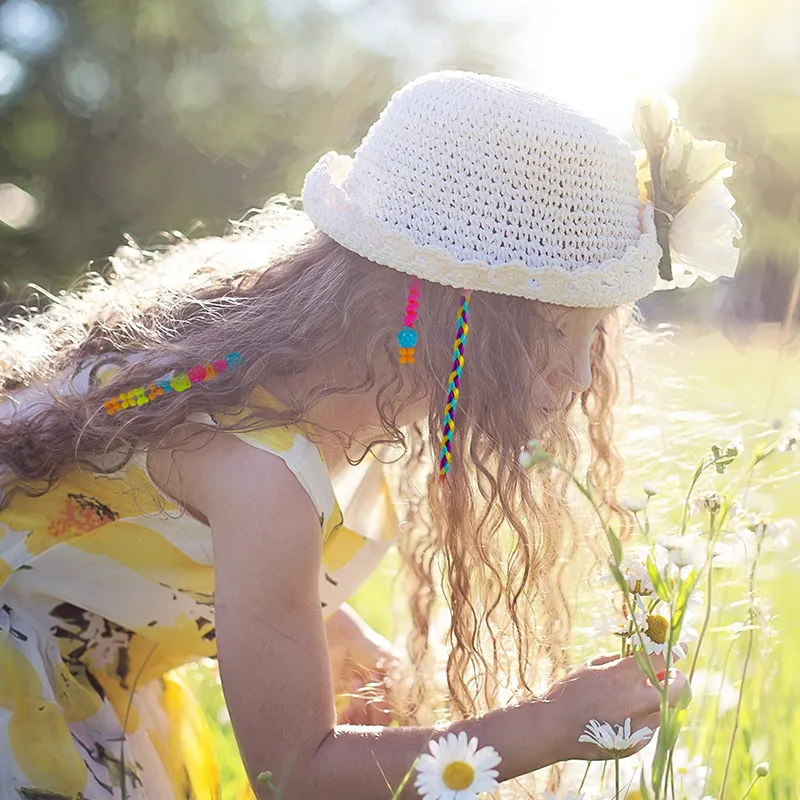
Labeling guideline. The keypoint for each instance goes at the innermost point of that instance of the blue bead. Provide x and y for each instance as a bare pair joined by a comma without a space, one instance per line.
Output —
407,338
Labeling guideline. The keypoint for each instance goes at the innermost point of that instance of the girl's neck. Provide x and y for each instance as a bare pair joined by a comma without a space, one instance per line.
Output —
335,420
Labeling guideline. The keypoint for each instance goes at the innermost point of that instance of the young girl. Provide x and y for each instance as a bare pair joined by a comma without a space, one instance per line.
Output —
205,454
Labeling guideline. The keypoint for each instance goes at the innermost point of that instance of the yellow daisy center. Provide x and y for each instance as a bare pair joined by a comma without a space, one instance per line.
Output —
657,628
634,795
458,775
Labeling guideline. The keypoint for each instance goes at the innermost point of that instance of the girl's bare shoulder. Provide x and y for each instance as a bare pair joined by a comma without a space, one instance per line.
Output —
206,470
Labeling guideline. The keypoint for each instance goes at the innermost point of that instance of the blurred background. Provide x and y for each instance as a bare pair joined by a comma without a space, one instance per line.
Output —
132,117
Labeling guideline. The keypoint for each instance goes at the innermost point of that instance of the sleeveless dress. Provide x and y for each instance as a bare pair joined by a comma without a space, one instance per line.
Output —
106,585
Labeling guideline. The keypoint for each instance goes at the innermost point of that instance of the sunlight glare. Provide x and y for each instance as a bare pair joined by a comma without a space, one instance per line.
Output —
600,56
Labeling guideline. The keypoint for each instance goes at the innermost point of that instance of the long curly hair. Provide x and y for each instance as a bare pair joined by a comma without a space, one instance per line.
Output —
491,543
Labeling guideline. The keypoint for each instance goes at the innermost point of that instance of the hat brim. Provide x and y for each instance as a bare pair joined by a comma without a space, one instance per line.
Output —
613,282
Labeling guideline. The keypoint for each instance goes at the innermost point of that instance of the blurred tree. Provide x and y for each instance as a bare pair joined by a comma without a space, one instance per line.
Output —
745,90
139,116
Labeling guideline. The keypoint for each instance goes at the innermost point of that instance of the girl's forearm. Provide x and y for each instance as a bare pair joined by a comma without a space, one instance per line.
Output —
369,763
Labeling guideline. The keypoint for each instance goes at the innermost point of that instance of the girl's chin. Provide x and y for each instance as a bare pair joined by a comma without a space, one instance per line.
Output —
545,418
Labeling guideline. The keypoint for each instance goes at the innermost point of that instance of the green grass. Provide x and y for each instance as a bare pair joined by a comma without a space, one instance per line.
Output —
689,393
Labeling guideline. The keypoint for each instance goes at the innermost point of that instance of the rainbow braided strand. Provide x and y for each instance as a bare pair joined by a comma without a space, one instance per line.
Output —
455,383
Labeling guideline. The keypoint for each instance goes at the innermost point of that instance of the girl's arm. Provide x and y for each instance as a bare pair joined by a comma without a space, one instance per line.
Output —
274,662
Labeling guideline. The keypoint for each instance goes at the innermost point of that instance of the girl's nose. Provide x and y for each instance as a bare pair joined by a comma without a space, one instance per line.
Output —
581,376
573,374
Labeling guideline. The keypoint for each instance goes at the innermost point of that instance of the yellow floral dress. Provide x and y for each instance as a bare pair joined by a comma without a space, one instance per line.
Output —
106,585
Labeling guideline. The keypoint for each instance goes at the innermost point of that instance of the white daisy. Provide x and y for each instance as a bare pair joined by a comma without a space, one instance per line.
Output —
683,551
456,770
635,504
611,623
634,568
653,633
615,741
689,772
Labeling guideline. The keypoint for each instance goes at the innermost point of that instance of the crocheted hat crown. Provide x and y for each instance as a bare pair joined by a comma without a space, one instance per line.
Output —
481,183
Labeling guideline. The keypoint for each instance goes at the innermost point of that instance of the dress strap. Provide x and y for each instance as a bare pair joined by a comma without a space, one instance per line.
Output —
299,454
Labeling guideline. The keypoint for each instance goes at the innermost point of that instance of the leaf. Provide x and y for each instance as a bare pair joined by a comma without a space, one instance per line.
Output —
405,780
644,791
662,590
681,604
615,545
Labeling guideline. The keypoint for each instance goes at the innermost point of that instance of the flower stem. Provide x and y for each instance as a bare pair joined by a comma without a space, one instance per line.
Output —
697,473
585,775
748,653
616,776
707,618
661,218
750,787
265,778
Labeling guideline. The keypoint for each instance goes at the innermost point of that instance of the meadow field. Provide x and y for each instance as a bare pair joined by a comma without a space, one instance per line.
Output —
690,391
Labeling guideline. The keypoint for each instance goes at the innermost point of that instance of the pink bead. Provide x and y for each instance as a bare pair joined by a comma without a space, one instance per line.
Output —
413,305
220,366
409,320
197,374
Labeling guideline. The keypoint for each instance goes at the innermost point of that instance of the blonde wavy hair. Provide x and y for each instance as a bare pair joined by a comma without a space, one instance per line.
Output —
495,540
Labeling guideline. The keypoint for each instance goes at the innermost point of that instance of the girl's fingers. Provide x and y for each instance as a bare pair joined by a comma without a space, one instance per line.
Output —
355,713
606,658
649,700
637,664
652,721
379,712
367,701
680,690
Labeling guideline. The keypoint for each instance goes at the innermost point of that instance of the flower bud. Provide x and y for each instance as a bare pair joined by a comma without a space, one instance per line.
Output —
653,118
265,777
762,769
712,502
650,489
639,504
526,459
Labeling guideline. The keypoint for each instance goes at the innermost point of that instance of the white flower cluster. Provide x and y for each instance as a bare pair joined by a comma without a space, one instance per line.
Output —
649,621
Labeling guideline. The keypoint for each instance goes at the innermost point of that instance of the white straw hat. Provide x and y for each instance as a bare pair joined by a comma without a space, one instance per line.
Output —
481,183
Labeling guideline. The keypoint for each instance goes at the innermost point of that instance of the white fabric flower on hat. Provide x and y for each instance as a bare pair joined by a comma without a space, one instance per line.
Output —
691,193
456,770
614,739
702,234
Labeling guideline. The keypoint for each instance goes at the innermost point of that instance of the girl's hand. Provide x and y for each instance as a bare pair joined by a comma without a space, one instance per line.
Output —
610,689
362,662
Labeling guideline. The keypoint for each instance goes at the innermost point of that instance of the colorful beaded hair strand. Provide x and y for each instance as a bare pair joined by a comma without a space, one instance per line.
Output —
454,388
407,337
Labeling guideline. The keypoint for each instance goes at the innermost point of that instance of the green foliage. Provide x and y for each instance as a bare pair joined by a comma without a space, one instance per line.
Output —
742,90
162,115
